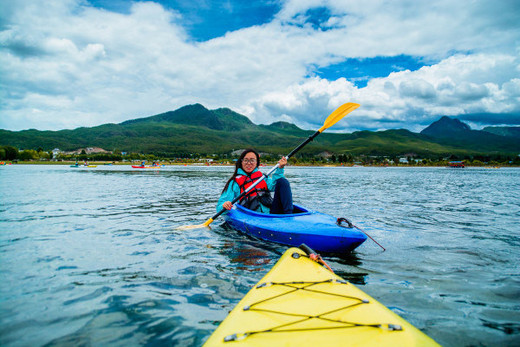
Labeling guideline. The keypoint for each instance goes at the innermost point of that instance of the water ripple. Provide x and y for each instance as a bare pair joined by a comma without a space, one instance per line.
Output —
93,257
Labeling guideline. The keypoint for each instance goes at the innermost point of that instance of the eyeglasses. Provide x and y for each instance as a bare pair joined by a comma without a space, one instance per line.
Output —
249,161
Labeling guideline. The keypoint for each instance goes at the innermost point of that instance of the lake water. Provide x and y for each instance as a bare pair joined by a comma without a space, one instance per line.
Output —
91,256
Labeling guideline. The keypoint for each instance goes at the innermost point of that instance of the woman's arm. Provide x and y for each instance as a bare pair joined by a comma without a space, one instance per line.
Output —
230,193
271,181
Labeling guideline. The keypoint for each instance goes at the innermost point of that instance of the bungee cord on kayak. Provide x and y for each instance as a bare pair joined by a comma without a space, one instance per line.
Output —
300,302
321,316
295,286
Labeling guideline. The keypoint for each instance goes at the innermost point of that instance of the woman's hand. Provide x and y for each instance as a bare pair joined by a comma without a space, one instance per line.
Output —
227,205
282,162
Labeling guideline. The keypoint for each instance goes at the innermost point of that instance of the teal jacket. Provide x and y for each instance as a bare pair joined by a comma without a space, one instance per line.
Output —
233,190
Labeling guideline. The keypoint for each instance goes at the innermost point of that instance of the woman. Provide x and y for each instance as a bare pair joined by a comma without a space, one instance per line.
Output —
259,198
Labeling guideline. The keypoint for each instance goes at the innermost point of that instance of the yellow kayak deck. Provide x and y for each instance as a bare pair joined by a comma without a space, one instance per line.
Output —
300,302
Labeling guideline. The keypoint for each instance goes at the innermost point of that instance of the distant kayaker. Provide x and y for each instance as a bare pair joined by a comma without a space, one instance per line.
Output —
259,198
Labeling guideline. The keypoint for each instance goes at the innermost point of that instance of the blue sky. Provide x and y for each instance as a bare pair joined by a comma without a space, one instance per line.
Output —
72,63
205,20
361,70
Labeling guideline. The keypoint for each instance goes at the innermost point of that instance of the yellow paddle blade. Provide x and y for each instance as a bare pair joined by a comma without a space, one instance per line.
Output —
337,115
198,226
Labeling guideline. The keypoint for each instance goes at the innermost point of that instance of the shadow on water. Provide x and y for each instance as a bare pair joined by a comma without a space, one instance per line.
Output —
356,278
350,259
348,267
238,243
507,328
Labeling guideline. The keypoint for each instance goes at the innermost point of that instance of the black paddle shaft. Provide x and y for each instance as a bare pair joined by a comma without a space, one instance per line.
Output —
309,139
293,152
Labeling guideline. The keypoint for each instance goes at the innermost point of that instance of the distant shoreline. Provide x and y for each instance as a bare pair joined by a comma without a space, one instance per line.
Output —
198,164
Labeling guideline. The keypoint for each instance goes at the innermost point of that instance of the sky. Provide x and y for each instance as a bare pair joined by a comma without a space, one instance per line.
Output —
80,63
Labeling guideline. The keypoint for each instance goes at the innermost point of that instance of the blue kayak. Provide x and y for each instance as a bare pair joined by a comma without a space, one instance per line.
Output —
317,230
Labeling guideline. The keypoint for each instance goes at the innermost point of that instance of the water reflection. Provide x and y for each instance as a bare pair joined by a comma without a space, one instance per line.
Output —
250,258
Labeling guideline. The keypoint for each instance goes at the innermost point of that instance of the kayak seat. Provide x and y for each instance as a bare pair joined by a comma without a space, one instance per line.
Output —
297,209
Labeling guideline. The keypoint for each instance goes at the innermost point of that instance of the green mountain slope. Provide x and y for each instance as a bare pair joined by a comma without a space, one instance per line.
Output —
195,129
504,131
452,132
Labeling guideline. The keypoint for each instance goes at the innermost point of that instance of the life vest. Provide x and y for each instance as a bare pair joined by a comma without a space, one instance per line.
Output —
260,193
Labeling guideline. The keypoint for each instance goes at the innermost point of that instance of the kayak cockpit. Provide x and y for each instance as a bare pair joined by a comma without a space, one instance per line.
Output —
297,211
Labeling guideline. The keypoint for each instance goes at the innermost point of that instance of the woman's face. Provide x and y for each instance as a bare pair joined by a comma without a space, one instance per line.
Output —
249,162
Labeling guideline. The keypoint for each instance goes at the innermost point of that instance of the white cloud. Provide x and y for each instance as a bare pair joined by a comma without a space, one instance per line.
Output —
65,64
456,86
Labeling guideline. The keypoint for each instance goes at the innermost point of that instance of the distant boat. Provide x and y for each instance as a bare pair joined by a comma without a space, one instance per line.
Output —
456,164
83,165
146,166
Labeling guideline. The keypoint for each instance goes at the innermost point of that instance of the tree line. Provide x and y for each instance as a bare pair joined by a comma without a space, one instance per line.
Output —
10,153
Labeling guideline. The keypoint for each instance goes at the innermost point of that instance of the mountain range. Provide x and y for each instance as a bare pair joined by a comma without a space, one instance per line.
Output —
195,129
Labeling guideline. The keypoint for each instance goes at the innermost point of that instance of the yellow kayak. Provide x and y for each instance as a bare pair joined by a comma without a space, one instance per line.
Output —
82,165
301,303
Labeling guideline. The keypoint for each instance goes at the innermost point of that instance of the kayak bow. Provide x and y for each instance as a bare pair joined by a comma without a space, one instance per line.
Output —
301,303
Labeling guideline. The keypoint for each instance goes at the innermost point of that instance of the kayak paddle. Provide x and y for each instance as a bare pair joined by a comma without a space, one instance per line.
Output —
334,117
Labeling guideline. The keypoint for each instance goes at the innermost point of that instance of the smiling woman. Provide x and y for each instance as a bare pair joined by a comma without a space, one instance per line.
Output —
257,199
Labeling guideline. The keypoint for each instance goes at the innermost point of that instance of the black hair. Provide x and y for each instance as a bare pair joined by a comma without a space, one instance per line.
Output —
238,165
